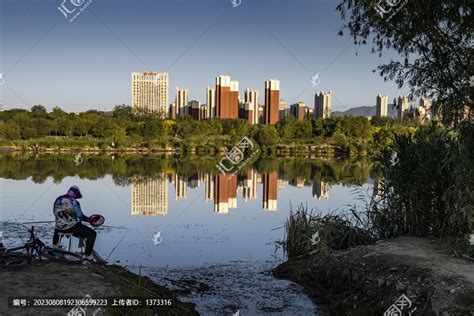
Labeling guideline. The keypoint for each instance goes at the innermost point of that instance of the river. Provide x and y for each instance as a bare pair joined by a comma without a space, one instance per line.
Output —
210,236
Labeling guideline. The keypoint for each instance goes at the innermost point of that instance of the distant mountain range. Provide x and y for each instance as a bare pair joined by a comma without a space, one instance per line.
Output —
365,111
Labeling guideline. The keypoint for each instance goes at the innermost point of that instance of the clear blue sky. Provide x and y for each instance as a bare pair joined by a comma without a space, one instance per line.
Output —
87,63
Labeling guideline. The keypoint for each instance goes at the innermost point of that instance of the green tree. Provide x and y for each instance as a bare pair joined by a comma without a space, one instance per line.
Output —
57,113
267,135
12,131
435,52
43,126
184,126
80,126
39,111
303,129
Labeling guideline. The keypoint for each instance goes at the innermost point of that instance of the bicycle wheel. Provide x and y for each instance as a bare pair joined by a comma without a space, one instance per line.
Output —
14,260
61,255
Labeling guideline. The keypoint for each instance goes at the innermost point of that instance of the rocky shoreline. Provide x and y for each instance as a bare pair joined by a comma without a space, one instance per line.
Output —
368,280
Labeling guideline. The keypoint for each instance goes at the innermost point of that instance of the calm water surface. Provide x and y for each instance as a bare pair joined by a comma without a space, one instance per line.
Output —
210,236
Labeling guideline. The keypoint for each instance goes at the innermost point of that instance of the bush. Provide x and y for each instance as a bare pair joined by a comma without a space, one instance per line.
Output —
421,189
308,233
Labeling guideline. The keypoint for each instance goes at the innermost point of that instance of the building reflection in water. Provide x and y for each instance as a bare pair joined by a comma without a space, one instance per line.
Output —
150,196
193,181
248,183
181,187
225,192
270,189
321,190
296,182
209,187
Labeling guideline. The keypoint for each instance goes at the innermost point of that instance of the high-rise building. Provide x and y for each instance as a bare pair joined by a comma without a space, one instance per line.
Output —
248,113
172,111
223,96
182,96
234,100
195,110
251,104
282,109
211,102
204,111
272,100
425,102
270,190
150,91
322,104
298,110
261,114
150,196
321,190
382,105
402,103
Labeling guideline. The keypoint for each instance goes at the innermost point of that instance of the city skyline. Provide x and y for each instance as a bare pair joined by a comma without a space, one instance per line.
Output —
150,91
89,60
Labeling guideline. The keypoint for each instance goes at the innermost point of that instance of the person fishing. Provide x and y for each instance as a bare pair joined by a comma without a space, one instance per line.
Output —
68,216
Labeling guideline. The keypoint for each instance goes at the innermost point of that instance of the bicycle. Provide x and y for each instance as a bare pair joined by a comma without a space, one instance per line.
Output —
32,249
20,256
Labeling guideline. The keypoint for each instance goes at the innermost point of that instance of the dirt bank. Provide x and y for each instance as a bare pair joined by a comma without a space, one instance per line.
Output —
52,280
367,280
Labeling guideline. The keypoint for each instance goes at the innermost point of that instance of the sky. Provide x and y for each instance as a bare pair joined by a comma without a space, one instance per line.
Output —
87,63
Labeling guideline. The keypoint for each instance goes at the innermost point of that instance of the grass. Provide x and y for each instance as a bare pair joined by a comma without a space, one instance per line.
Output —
308,232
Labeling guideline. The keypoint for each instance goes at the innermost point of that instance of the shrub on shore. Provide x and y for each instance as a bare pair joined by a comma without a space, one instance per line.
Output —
428,184
308,232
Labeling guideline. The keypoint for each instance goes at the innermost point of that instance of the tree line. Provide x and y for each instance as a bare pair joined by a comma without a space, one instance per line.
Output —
124,127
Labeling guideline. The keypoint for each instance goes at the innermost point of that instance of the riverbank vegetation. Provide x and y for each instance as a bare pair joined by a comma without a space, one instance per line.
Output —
123,129
125,168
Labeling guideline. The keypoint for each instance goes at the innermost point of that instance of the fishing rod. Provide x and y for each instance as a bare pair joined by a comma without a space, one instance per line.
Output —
47,222
111,252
